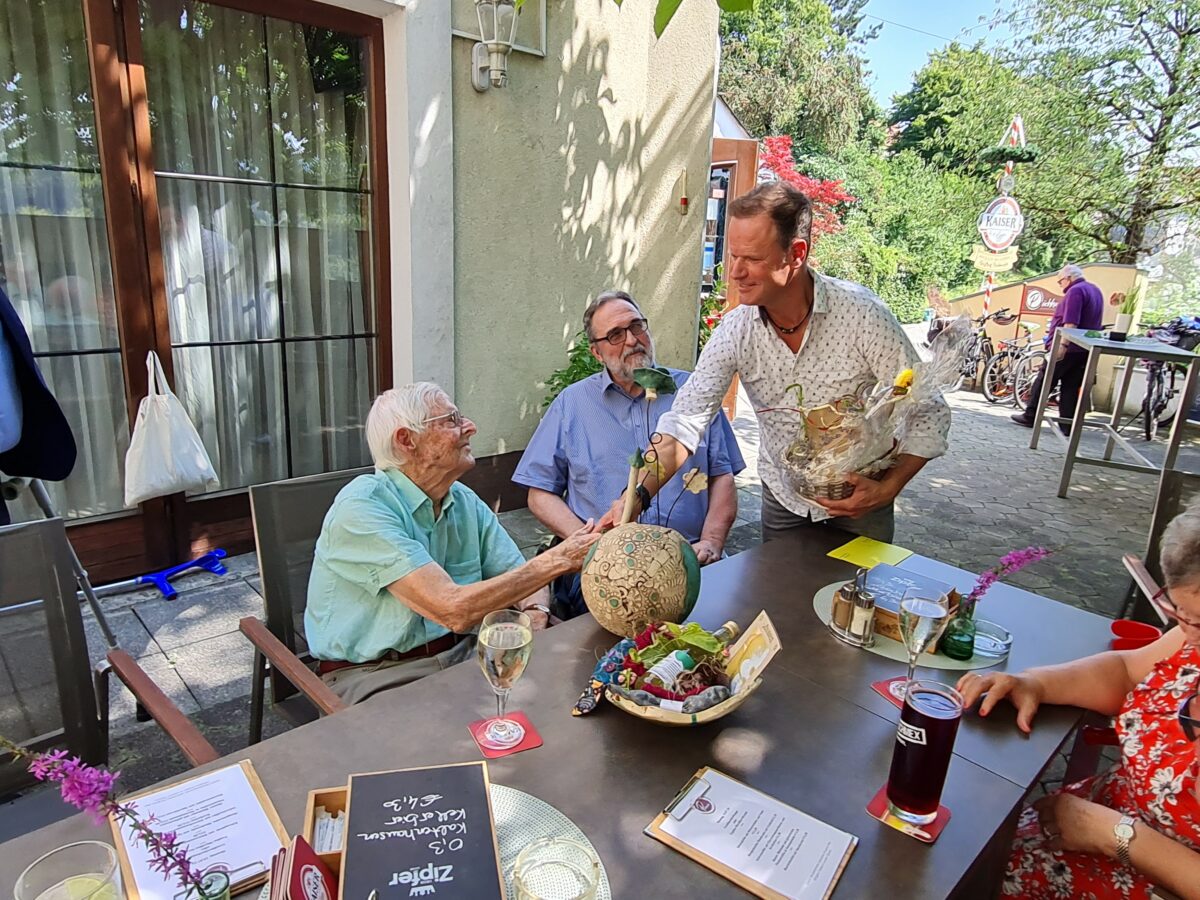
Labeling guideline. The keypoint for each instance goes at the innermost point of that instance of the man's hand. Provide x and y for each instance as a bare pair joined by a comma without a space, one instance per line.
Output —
1022,691
612,518
707,551
1073,823
575,546
538,620
869,495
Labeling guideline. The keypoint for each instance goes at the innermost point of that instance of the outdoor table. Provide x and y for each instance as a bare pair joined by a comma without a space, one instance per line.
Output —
812,736
1133,349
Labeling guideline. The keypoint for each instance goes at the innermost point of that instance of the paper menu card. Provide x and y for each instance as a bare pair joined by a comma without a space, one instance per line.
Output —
224,818
766,847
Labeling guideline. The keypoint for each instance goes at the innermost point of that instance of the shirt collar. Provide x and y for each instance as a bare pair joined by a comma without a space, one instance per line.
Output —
414,498
606,382
820,297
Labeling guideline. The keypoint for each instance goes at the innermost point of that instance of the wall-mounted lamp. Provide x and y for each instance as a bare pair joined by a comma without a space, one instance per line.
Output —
498,32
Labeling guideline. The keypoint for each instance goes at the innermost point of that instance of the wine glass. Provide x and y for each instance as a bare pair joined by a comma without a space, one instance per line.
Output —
923,618
505,642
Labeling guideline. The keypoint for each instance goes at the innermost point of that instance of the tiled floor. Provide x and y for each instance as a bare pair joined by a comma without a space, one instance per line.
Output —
988,495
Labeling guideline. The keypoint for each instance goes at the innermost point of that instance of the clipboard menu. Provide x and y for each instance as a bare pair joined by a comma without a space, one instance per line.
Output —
766,847
223,817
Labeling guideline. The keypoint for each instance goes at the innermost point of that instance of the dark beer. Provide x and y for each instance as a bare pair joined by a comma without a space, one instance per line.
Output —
924,743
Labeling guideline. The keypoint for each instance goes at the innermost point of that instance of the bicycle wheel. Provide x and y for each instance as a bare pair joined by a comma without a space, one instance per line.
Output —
998,377
1154,403
1025,373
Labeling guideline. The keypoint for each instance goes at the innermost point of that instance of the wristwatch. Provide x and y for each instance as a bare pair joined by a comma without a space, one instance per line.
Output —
643,496
540,607
1124,832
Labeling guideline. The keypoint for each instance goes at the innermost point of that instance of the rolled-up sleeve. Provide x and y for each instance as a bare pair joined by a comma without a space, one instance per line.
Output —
700,398
891,352
543,465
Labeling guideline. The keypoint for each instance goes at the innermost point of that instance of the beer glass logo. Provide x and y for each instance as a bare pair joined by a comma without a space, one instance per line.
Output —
312,883
908,733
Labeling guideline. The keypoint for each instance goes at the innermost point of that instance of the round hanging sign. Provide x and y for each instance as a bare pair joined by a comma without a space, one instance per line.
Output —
1001,223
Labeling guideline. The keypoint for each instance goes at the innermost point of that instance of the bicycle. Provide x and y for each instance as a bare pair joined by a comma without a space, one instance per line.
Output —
1180,332
998,375
980,350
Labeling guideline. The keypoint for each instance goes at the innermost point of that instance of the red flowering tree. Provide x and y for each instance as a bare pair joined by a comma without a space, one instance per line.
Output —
826,196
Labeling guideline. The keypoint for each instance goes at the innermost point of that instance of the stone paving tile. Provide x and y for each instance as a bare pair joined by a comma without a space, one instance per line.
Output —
216,669
201,614
130,634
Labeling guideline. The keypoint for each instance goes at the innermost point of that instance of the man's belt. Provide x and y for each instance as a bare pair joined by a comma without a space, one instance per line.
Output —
433,648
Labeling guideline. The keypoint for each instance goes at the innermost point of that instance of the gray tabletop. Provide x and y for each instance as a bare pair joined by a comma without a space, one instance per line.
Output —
813,736
1140,347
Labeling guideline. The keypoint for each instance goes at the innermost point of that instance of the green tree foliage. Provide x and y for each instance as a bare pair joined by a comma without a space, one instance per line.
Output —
911,229
1110,92
788,67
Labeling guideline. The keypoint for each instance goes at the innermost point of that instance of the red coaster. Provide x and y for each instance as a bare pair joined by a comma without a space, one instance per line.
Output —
926,834
892,690
532,738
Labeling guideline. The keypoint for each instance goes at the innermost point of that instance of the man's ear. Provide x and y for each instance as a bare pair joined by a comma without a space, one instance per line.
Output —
596,356
799,251
405,440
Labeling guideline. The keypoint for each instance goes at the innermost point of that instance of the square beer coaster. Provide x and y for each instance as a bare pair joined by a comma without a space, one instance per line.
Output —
531,740
891,689
927,834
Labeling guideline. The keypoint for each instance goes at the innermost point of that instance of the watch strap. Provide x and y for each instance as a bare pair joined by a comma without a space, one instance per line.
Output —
1125,833
643,496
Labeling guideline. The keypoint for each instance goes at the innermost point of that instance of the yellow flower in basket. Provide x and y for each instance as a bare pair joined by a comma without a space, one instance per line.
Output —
903,382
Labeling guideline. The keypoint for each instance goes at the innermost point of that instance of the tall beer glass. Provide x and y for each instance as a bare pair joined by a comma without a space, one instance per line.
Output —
924,744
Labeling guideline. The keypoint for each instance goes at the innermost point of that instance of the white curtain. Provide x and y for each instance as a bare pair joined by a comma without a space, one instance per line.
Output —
54,257
259,261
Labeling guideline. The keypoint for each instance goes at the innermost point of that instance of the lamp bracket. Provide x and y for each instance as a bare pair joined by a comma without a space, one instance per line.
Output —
480,67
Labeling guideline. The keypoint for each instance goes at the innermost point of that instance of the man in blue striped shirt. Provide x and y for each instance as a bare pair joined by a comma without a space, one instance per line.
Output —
578,459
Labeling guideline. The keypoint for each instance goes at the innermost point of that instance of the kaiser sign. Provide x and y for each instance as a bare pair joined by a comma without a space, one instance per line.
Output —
1001,223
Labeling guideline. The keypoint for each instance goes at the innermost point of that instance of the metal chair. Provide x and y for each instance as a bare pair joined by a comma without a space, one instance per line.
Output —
51,696
287,517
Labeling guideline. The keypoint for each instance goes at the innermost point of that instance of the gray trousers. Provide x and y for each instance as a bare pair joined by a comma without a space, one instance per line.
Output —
778,520
356,683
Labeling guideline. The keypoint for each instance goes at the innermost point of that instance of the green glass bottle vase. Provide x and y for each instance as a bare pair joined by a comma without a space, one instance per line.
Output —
958,640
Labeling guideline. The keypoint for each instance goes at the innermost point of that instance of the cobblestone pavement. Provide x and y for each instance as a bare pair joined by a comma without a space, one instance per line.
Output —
989,494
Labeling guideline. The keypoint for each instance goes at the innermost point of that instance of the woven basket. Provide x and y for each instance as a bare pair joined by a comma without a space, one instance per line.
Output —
840,490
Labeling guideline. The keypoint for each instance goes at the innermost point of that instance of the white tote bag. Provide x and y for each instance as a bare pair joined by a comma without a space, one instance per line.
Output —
165,454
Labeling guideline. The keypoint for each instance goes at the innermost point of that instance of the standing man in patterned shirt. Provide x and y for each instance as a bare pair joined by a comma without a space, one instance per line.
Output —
578,459
797,326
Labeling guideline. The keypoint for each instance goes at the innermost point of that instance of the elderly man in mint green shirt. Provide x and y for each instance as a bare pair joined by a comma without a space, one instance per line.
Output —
409,560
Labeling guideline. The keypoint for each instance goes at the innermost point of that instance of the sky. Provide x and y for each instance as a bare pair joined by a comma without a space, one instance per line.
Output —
912,30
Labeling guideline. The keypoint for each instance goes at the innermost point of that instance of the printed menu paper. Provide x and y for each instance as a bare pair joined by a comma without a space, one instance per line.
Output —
225,820
769,848
424,832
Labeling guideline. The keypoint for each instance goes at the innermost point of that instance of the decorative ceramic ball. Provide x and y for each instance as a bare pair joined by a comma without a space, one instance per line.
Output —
637,574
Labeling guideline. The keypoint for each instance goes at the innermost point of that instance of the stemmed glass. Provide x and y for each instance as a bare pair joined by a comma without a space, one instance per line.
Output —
923,618
505,642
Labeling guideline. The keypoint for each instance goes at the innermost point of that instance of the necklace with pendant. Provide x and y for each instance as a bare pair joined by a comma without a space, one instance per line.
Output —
795,327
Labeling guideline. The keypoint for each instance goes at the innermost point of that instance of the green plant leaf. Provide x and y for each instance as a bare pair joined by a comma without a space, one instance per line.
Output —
663,14
736,5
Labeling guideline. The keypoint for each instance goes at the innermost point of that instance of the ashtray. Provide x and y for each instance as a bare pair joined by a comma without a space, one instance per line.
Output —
992,641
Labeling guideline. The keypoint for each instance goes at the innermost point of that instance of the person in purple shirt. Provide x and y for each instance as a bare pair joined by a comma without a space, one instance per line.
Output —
578,459
1082,306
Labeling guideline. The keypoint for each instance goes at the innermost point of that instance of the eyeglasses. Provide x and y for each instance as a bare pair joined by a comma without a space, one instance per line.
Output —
1167,607
616,337
456,419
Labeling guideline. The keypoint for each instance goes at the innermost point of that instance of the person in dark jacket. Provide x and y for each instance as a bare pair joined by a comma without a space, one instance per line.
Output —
35,437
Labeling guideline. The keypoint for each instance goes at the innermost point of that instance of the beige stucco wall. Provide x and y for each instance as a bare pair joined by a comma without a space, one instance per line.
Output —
564,185
1109,277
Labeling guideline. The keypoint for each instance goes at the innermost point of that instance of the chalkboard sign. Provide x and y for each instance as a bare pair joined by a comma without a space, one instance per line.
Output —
421,833
889,584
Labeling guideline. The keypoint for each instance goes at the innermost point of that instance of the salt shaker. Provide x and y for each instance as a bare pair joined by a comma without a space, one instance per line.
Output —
862,621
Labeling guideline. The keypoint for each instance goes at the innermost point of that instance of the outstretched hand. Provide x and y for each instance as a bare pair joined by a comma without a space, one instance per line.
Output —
1023,692
612,518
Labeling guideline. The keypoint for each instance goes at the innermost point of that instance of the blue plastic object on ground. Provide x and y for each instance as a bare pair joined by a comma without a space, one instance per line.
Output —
161,579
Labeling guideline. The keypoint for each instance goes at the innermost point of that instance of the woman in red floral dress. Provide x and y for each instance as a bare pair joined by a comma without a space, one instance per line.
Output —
1075,843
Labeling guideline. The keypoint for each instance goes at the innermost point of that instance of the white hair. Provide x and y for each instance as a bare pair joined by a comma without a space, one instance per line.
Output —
403,407
1180,554
1070,270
